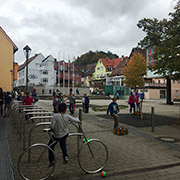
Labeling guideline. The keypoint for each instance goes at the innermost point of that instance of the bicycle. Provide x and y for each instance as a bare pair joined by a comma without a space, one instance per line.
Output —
92,157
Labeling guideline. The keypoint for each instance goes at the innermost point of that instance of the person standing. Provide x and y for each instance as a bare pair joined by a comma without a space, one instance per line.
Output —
86,103
131,102
114,110
1,100
137,99
71,104
83,103
7,100
34,95
59,127
27,100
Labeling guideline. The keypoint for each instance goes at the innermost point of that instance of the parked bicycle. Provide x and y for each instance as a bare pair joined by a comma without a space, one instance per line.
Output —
92,157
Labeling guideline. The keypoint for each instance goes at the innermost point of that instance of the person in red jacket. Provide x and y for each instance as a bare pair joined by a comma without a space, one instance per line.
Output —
137,99
131,102
27,100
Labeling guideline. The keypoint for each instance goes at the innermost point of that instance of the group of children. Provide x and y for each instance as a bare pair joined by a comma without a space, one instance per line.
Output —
134,98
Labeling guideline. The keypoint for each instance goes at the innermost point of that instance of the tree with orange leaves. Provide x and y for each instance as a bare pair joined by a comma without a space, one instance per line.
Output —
133,71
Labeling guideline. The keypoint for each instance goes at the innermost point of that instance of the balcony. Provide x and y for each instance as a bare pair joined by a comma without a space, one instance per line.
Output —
155,85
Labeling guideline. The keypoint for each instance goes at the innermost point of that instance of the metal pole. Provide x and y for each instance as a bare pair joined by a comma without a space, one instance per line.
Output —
26,71
73,75
79,137
152,119
59,70
68,72
63,72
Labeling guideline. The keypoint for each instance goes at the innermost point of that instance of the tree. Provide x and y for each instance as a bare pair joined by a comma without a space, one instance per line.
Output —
164,37
133,71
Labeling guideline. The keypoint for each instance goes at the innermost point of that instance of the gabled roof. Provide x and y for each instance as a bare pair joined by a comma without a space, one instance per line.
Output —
119,69
22,66
138,50
111,62
13,44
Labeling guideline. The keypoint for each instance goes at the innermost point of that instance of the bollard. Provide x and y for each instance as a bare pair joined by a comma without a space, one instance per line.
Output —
79,137
152,119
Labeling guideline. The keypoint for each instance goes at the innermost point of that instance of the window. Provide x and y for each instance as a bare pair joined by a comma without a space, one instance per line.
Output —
177,93
102,67
98,68
159,81
174,81
109,68
164,81
45,72
77,75
98,75
44,80
178,81
77,82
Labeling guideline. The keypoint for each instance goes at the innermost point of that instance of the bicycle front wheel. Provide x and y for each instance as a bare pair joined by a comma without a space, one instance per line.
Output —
93,156
33,162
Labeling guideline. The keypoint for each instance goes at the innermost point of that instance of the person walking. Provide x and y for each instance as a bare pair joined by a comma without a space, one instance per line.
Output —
1,100
59,127
131,102
83,103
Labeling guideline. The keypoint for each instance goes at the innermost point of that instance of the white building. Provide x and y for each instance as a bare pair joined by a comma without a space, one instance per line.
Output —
41,72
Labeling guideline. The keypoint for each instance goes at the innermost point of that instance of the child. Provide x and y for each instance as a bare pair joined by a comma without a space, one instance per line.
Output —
27,100
114,109
131,102
137,99
59,126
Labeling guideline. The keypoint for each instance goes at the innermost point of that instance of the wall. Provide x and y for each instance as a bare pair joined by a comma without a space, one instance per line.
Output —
154,93
6,59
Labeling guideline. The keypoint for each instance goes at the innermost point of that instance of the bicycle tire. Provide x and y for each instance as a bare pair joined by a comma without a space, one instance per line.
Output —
33,162
93,156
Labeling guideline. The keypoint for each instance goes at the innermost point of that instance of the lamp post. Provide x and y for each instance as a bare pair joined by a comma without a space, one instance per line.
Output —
27,51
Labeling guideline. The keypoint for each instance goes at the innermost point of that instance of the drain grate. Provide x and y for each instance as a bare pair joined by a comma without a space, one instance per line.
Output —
168,139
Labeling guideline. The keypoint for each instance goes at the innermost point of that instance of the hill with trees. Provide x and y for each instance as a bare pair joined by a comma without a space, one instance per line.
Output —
92,57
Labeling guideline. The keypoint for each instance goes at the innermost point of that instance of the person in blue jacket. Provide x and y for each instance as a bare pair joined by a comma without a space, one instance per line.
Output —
114,110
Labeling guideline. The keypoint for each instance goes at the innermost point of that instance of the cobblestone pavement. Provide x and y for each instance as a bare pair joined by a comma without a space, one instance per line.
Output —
140,155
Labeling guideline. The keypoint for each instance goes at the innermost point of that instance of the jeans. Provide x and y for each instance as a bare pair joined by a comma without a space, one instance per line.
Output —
62,143
71,108
132,106
116,120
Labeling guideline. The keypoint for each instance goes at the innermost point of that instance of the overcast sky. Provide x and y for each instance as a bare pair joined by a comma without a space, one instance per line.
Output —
74,27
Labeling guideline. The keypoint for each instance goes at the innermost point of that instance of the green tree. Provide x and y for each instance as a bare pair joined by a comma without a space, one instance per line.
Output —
133,71
164,37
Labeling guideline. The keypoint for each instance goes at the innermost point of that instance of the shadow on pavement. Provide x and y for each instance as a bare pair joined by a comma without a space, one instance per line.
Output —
136,121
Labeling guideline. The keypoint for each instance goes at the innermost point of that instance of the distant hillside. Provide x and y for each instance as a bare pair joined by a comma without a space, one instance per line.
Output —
92,57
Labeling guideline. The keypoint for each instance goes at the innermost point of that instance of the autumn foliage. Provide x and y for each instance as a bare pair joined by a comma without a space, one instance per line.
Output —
133,71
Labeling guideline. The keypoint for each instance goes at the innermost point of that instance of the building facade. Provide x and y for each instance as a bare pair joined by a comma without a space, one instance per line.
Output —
7,51
40,72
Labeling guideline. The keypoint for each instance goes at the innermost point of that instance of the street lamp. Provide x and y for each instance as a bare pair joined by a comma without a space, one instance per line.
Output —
27,51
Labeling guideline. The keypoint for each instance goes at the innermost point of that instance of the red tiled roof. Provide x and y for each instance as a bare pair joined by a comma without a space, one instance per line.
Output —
22,66
111,62
15,47
119,69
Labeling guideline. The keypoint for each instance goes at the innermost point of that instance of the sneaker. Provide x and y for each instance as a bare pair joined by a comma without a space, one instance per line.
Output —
114,130
65,160
51,164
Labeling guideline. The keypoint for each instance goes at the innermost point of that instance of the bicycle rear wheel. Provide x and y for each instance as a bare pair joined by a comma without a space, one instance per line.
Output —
33,162
93,156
